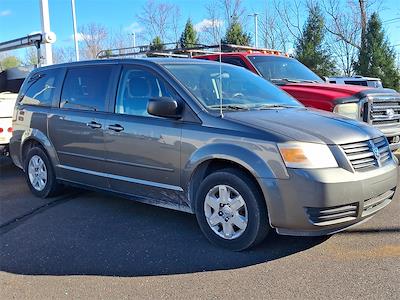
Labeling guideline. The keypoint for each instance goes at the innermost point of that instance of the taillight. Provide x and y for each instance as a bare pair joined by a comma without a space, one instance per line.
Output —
10,129
1,130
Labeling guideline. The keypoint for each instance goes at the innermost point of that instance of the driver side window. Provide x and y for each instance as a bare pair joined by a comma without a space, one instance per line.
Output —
136,87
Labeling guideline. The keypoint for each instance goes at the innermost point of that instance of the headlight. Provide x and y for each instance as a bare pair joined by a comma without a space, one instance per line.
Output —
350,110
307,155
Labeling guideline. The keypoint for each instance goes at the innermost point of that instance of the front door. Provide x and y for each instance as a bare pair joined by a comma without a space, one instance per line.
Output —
143,151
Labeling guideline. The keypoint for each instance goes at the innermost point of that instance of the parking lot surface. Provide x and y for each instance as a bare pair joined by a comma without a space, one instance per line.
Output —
90,245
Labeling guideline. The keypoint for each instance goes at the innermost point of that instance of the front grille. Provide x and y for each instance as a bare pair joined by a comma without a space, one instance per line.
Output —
332,215
385,110
361,154
374,204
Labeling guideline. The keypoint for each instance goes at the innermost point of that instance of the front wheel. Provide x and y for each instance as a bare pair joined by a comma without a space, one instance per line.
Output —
230,211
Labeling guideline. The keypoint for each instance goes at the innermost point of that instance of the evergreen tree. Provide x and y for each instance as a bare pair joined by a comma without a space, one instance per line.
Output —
157,44
235,35
376,58
309,48
189,36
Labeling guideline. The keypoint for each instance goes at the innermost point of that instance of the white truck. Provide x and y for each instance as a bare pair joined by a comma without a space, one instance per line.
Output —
356,80
7,103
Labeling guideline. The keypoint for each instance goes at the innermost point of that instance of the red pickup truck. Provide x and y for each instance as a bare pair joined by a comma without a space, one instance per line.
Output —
378,107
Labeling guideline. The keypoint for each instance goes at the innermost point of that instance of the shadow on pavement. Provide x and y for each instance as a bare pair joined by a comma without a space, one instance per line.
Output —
97,234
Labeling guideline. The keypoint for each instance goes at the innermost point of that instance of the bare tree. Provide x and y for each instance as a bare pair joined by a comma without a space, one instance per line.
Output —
232,8
220,14
344,27
273,33
211,29
94,38
160,19
290,14
347,28
63,54
30,58
175,17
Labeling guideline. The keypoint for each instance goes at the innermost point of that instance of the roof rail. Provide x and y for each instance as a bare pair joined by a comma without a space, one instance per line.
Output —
148,50
171,50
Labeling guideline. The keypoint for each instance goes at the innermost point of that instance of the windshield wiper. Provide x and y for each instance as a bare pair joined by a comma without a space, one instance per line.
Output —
272,106
230,106
293,80
285,80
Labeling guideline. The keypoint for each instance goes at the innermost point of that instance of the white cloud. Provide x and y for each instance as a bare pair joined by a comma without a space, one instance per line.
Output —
134,27
80,36
291,51
4,13
207,23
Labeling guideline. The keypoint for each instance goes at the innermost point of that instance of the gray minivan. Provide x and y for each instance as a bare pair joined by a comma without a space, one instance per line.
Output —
206,138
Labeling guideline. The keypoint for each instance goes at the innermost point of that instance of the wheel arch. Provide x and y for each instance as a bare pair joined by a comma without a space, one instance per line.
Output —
35,137
216,157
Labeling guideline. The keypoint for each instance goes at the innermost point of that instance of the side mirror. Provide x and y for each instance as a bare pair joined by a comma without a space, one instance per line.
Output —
164,107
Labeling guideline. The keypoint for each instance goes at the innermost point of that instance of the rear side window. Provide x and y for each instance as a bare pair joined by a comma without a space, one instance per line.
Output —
40,88
86,88
233,61
356,82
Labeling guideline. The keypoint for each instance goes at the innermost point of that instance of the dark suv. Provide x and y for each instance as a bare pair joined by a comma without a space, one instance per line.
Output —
210,139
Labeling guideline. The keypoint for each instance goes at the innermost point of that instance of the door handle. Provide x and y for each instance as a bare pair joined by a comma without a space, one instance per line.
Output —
93,125
116,127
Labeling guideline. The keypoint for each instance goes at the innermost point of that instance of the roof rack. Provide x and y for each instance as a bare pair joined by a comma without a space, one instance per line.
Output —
171,50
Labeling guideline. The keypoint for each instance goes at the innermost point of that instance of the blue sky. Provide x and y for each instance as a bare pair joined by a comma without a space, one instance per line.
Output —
21,17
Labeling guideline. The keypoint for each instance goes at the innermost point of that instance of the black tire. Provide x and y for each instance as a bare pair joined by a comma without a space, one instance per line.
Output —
257,225
52,187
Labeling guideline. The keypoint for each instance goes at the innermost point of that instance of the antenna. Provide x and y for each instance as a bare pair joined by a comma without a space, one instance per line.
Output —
220,74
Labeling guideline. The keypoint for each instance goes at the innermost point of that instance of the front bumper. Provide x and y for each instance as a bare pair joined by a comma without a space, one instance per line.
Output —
325,201
393,137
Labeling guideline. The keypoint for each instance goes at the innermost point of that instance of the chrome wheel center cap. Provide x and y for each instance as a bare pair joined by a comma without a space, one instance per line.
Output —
227,211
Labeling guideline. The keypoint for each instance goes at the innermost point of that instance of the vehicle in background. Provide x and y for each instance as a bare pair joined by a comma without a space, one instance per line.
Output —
7,103
356,80
211,139
378,107
12,79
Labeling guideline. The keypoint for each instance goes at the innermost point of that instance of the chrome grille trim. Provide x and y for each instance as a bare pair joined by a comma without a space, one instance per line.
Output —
321,216
362,156
384,110
374,204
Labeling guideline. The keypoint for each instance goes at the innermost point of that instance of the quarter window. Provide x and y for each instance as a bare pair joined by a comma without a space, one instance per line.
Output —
135,89
86,88
40,89
233,61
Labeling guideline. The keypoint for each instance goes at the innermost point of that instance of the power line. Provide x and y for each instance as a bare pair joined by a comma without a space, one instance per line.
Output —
390,20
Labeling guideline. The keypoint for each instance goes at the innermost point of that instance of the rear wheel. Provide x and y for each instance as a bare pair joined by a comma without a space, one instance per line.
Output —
39,174
230,210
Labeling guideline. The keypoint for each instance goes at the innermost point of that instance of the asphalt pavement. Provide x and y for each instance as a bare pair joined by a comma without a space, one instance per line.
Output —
86,245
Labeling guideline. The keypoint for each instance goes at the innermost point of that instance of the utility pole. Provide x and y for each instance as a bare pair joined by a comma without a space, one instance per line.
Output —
134,39
49,37
75,32
255,15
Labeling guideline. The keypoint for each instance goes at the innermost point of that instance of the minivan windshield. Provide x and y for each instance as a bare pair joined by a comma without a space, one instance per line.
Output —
241,89
283,69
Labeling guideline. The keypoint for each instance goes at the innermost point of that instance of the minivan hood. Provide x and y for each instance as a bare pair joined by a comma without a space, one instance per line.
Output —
306,125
